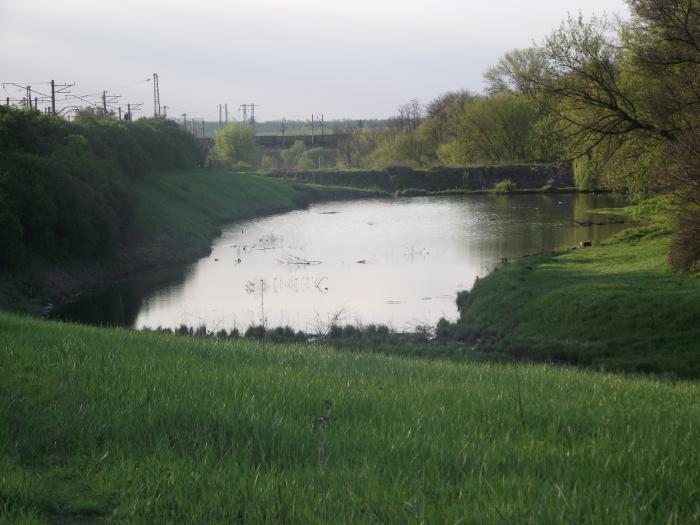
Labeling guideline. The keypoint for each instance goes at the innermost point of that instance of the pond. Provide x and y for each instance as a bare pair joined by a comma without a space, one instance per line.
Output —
398,262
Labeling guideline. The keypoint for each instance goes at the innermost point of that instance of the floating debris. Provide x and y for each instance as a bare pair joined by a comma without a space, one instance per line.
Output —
319,284
362,261
293,259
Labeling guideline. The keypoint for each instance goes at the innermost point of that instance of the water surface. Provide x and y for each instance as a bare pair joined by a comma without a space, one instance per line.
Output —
396,261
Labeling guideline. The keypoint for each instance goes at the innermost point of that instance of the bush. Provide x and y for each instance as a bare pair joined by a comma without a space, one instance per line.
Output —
505,186
65,188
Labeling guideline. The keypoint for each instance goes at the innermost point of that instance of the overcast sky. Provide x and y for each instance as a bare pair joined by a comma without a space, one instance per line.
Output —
342,58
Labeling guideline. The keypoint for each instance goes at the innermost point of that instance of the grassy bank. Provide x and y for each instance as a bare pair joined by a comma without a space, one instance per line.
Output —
107,426
616,305
175,216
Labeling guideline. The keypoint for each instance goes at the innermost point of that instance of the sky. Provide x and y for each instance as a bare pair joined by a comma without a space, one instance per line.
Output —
294,58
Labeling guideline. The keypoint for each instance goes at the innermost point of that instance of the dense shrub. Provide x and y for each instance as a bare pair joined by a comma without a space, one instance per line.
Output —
65,188
505,186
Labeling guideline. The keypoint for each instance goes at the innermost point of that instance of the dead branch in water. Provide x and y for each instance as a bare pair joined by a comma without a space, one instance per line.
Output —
293,259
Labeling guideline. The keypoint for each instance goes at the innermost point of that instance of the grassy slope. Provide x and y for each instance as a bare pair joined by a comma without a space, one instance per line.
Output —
616,305
194,204
104,425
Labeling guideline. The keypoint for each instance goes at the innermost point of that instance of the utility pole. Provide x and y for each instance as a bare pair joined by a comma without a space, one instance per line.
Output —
184,120
28,103
53,97
104,102
130,108
202,128
245,112
252,114
156,96
219,115
120,112
225,113
312,129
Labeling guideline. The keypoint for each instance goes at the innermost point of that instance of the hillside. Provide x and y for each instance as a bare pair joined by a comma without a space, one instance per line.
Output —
102,426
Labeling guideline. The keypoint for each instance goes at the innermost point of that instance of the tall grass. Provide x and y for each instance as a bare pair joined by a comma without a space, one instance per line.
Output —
115,426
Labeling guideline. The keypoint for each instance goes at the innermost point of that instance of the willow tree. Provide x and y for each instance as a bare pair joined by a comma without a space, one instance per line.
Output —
625,98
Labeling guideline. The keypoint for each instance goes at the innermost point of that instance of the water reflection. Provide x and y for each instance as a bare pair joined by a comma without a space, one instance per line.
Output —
398,262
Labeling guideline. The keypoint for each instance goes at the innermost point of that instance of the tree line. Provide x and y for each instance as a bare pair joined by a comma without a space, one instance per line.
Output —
66,187
618,99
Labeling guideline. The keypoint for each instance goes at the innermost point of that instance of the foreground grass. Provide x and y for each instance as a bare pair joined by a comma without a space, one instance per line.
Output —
616,305
113,426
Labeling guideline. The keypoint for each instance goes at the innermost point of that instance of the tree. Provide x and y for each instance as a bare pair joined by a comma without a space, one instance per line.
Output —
498,128
625,99
235,146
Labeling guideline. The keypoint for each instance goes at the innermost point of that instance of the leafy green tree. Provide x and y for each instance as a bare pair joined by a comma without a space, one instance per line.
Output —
235,146
499,128
293,154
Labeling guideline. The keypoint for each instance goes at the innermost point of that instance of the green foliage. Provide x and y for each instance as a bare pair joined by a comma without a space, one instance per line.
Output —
505,186
66,188
111,425
292,155
297,156
615,306
235,147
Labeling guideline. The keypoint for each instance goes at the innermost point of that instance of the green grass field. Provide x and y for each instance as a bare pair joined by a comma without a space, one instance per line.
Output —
616,305
109,426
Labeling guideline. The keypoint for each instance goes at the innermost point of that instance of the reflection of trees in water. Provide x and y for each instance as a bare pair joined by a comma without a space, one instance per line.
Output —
478,232
534,223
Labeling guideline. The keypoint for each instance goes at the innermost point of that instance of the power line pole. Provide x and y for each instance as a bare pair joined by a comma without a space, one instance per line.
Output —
120,112
156,96
104,102
202,128
252,114
219,115
245,112
53,97
225,113
130,108
312,129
